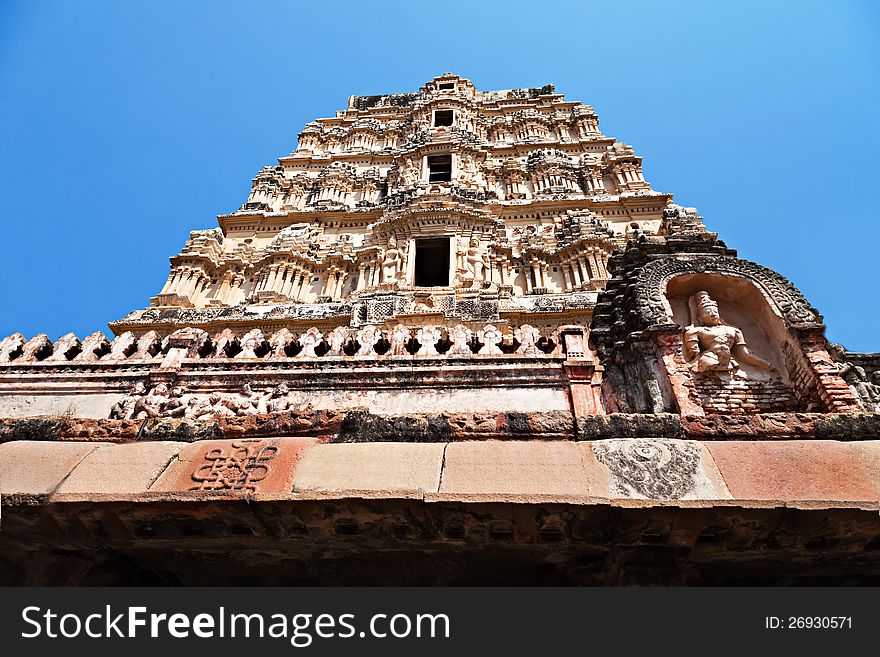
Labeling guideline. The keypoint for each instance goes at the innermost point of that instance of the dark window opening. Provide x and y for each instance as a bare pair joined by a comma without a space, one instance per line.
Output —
443,118
432,262
440,168
446,85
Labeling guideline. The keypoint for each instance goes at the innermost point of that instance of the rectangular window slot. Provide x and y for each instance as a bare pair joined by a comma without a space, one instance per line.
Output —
432,262
443,118
440,168
445,86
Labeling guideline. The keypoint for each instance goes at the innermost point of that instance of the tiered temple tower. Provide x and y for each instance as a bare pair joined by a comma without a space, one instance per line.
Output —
453,323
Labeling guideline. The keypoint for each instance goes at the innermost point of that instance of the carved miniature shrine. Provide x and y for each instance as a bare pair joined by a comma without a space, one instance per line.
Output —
457,330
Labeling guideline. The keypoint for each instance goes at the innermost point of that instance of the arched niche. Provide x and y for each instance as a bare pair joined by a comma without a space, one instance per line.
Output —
743,304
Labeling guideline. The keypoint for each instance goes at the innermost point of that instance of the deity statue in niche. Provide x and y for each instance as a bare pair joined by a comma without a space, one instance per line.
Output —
475,261
392,262
710,345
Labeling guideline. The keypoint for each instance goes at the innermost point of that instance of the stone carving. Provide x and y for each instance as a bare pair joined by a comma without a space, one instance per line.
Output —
11,347
710,345
476,262
528,337
399,340
93,347
149,346
337,339
310,340
392,262
280,342
39,346
428,337
124,408
491,337
652,281
239,468
193,341
151,405
252,343
224,344
122,347
175,406
65,348
652,469
460,337
864,386
367,338
279,399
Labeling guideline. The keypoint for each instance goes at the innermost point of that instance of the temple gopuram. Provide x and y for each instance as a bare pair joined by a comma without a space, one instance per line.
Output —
455,337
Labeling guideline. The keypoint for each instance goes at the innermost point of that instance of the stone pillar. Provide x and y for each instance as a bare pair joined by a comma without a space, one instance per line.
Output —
566,276
575,272
362,273
167,285
585,270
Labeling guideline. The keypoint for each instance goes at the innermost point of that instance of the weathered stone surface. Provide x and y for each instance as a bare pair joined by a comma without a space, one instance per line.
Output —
362,426
392,468
629,425
658,469
36,468
799,469
516,469
235,467
130,468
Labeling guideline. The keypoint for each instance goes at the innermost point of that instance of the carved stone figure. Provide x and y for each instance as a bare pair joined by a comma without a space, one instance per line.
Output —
712,346
392,262
460,337
279,400
124,408
223,342
280,341
153,404
400,337
367,337
491,337
528,337
476,261
310,340
213,406
175,406
428,337
337,339
251,342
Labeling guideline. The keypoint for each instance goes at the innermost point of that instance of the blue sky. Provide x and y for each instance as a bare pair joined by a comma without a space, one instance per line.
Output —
126,125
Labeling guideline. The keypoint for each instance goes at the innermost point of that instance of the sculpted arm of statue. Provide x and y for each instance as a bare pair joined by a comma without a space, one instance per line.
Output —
741,352
691,343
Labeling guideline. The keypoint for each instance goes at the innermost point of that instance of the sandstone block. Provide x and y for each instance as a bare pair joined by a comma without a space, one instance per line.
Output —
800,469
391,467
130,468
518,469
246,466
656,469
36,468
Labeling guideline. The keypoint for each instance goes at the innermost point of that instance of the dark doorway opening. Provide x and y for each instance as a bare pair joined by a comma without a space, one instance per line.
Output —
440,168
432,262
443,118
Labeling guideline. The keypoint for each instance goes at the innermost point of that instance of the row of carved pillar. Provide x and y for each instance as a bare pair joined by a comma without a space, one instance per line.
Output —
581,270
